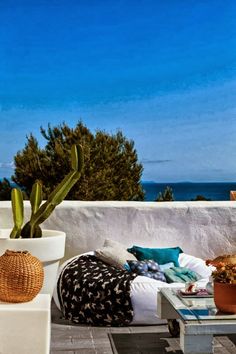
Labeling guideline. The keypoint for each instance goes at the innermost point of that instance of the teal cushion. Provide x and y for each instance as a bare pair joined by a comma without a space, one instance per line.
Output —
180,275
159,255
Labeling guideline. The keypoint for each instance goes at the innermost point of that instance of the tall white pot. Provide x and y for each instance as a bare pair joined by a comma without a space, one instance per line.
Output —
50,248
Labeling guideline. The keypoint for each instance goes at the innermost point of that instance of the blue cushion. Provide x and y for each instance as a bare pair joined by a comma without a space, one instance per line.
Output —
148,269
165,266
159,255
143,266
127,267
153,266
156,275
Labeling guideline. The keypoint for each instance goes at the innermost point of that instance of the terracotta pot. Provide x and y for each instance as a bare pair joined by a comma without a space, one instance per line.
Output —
225,297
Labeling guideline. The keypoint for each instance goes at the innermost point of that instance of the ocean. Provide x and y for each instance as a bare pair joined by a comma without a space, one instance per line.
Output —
186,191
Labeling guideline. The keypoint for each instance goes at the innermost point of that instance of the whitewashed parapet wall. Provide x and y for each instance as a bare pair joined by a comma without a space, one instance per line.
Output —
203,229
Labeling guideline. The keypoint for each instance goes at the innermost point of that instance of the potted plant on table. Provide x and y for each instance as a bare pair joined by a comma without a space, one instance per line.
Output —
47,245
224,277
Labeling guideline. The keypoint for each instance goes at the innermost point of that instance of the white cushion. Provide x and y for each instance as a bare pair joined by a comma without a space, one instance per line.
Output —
144,290
144,298
196,264
114,253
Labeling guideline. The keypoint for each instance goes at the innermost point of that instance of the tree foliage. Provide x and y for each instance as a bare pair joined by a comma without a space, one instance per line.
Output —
200,197
111,170
166,196
5,189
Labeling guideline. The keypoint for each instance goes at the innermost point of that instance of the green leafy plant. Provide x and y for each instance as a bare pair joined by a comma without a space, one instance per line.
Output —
225,269
39,213
225,273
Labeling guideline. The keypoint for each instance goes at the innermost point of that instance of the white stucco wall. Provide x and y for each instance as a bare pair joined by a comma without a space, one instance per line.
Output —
204,229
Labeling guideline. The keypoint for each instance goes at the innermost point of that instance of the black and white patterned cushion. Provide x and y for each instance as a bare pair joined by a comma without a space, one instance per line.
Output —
96,293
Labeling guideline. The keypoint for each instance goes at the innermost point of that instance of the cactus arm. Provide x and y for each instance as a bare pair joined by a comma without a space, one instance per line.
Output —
17,211
77,160
53,200
15,233
36,197
76,166
57,196
29,232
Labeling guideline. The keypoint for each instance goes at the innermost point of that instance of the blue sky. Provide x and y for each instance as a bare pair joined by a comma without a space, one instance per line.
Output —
162,71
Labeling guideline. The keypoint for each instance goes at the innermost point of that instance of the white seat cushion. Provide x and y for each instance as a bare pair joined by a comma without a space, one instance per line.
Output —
196,264
144,290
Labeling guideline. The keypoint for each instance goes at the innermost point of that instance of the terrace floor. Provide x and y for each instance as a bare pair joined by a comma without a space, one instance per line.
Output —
67,339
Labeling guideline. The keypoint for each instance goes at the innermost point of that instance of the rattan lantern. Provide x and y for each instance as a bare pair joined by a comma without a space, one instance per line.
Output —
21,276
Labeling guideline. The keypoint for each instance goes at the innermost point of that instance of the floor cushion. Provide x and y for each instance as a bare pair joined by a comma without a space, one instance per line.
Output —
144,290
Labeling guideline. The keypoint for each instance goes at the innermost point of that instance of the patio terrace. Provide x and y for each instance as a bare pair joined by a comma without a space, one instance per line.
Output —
203,229
72,339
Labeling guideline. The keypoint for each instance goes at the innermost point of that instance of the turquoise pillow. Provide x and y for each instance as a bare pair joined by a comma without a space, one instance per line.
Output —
159,255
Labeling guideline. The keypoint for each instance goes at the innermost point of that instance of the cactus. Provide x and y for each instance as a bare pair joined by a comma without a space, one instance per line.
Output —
36,197
18,212
41,212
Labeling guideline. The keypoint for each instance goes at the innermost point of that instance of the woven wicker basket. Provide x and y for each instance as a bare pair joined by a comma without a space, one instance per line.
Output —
21,276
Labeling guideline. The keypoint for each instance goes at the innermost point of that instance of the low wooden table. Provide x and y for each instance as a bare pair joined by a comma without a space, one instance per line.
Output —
198,318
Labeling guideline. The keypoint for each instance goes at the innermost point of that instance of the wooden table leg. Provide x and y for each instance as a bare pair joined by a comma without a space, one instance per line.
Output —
173,327
195,343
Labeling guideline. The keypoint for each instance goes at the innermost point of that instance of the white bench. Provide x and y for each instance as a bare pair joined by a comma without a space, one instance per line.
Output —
25,327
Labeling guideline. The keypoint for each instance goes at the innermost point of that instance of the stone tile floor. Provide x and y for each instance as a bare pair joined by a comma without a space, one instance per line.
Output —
67,339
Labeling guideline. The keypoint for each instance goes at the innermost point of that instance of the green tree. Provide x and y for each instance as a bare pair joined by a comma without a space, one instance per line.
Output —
200,197
5,189
166,196
111,170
